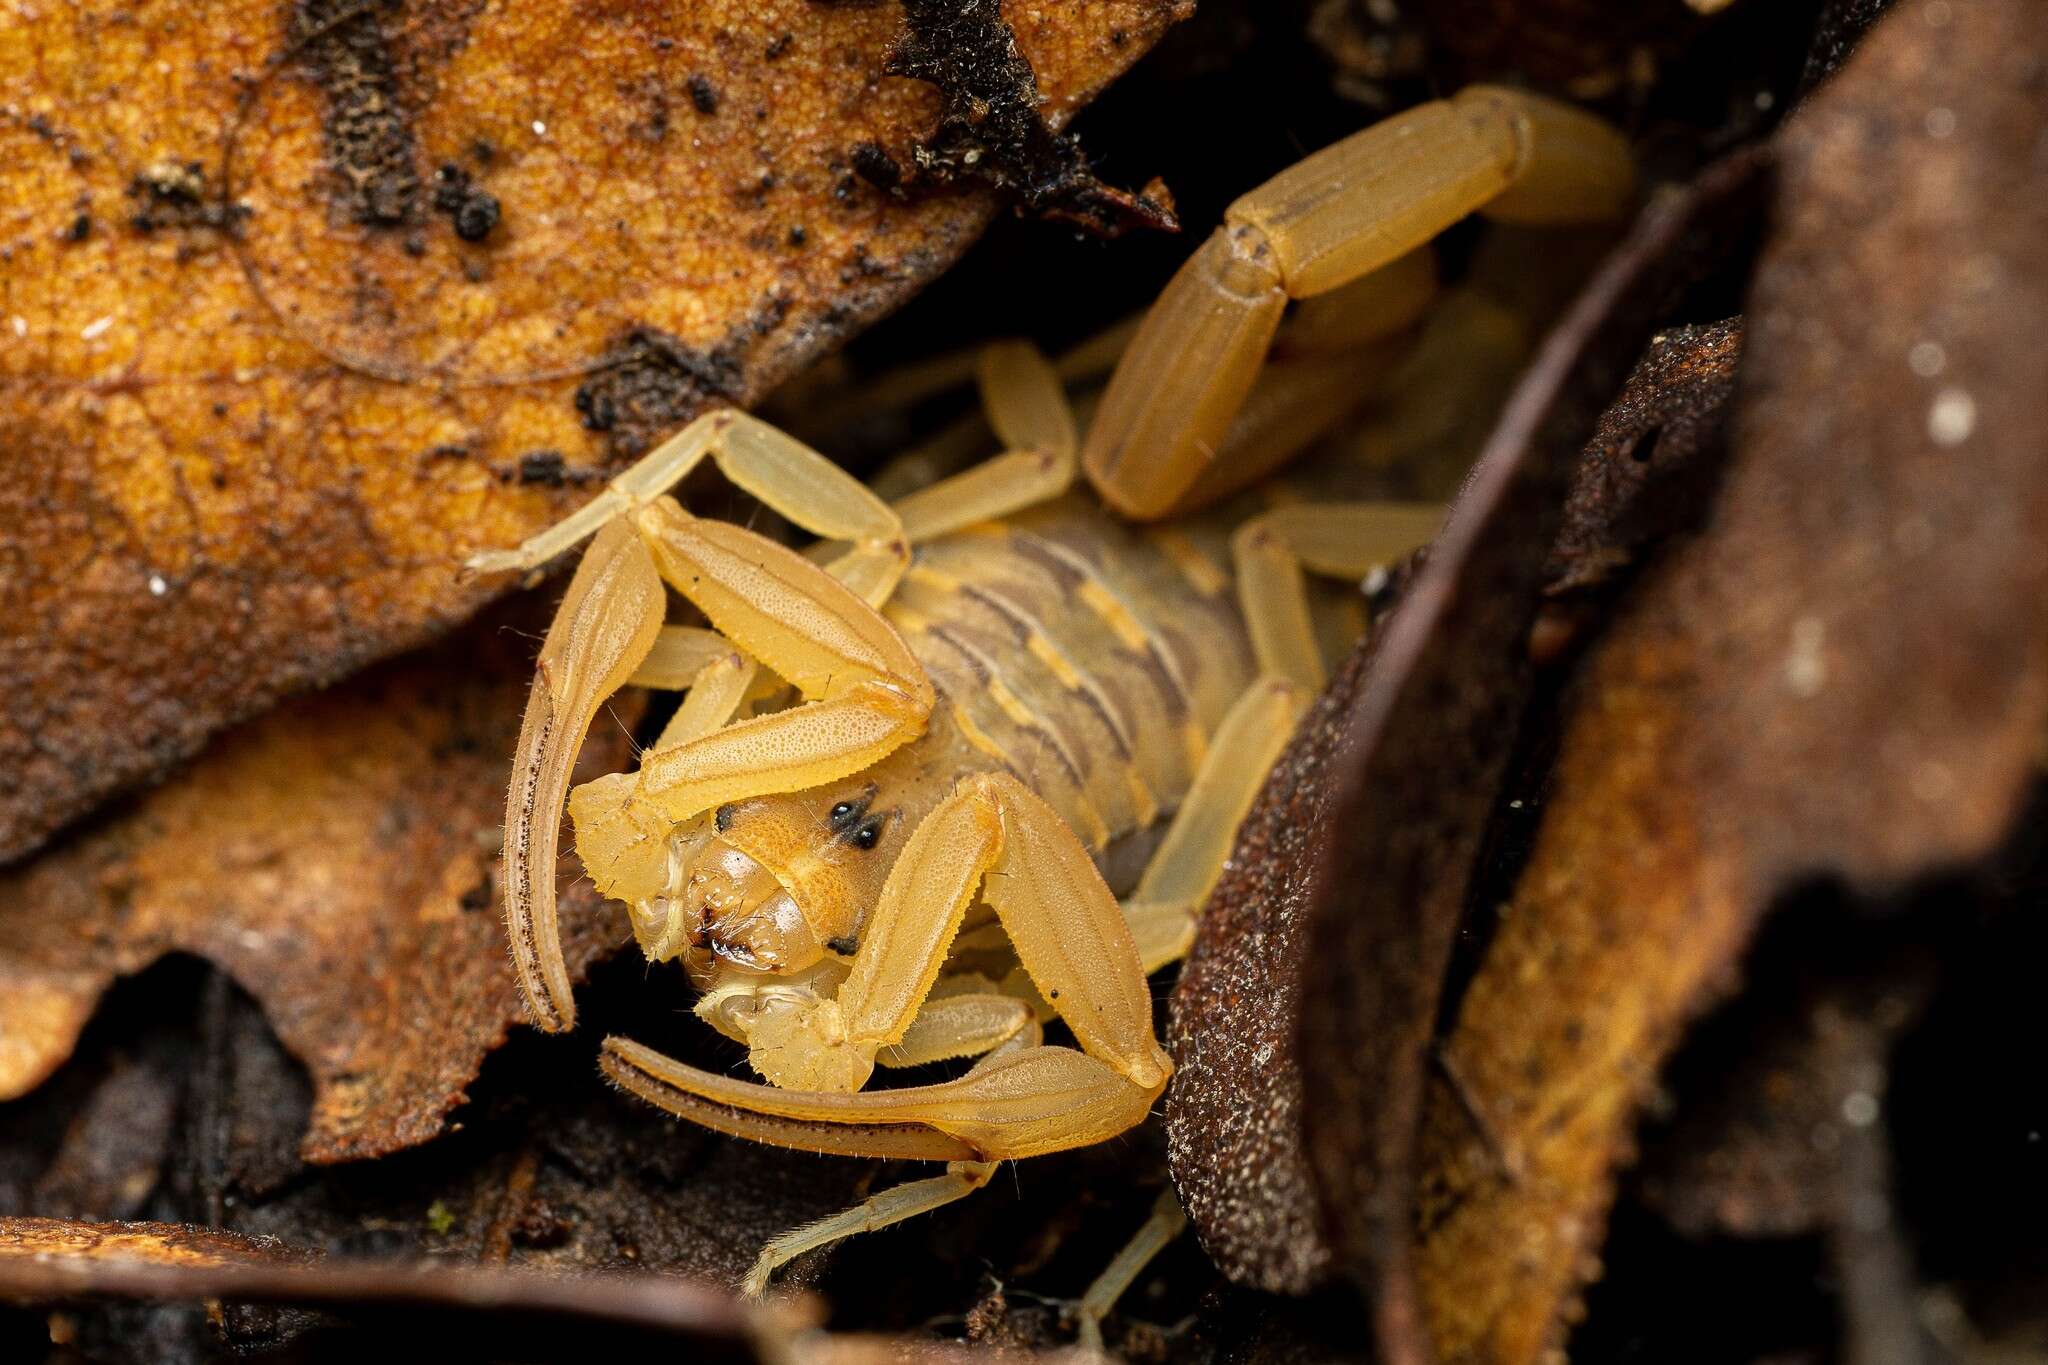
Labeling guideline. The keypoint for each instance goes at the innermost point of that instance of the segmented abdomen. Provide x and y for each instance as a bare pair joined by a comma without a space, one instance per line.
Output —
1091,659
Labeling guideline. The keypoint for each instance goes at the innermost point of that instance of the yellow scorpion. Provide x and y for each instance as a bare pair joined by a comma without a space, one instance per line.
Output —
991,690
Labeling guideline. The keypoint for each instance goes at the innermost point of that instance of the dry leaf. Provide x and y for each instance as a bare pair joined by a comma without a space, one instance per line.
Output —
1847,673
305,302
1434,731
496,1310
1651,464
63,1247
339,858
1233,1114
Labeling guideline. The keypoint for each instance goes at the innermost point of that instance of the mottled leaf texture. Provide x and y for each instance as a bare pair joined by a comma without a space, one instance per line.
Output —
1434,728
1845,674
339,858
301,303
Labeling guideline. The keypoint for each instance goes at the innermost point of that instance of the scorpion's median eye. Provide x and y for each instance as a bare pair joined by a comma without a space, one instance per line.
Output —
869,834
847,814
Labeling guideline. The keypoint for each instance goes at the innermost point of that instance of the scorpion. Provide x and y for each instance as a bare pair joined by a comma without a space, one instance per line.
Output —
884,825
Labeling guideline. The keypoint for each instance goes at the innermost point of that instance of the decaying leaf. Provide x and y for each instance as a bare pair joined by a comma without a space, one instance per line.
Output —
495,1309
339,857
1434,729
1233,1115
545,1167
302,303
1845,674
113,1149
1590,47
1652,461
991,130
56,1243
1770,1149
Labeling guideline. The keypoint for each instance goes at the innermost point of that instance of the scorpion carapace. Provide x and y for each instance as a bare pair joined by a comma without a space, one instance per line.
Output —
972,762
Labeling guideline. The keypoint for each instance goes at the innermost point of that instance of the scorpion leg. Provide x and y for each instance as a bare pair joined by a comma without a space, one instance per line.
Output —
1348,210
1012,1103
1157,1233
1163,909
780,470
960,1032
1341,540
1028,408
679,654
966,1024
954,447
716,694
878,1211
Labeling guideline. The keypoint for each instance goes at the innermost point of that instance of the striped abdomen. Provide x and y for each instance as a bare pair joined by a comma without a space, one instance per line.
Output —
1090,659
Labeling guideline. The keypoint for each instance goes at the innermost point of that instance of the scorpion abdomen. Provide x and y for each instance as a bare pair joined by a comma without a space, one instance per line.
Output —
1090,660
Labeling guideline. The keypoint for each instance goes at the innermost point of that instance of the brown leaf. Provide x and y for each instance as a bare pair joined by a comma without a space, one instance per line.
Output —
305,302
1652,460
545,1167
1847,673
1434,730
339,858
113,1150
66,1247
1585,46
1233,1114
496,1309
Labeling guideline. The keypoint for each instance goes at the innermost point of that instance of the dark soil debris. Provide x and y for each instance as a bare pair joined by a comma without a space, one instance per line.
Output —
472,211
370,143
173,194
653,383
550,469
991,131
874,165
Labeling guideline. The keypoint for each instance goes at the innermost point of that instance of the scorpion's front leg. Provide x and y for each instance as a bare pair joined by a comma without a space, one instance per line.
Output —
1020,1100
1027,406
1346,211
